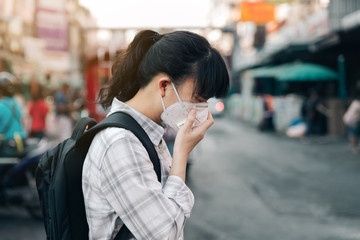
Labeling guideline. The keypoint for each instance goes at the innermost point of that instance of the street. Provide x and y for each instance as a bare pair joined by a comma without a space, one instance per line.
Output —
253,186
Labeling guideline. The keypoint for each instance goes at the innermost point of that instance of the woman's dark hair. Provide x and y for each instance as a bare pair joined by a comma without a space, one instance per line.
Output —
179,55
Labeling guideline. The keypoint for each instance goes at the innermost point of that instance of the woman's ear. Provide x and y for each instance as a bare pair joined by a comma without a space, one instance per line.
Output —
163,84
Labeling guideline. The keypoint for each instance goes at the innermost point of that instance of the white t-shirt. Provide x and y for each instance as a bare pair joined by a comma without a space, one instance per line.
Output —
352,115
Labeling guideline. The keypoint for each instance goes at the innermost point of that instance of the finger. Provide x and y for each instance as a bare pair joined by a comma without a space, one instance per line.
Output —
206,124
209,121
190,118
210,117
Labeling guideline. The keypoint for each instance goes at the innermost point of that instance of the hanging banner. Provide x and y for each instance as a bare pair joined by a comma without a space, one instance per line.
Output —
257,12
52,24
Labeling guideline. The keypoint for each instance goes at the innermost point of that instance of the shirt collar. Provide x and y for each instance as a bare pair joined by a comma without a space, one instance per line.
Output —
152,129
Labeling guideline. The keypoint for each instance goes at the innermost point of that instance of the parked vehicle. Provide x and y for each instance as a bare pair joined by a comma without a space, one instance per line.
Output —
17,178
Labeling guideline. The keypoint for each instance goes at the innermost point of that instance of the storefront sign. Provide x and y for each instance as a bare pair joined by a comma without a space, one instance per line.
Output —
257,12
52,24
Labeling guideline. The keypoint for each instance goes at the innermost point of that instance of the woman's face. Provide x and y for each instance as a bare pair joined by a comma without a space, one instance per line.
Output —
186,92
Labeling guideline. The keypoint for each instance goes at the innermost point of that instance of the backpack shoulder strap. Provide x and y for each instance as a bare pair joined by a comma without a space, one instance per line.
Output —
124,120
83,124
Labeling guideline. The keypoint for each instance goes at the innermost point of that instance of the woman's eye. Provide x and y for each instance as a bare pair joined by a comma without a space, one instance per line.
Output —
201,99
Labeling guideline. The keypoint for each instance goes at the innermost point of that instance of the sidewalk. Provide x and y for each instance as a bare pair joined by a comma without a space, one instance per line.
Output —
339,142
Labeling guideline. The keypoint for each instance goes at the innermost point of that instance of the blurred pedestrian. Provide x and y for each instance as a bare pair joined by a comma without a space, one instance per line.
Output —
38,111
12,135
63,111
315,114
267,123
159,80
79,105
352,121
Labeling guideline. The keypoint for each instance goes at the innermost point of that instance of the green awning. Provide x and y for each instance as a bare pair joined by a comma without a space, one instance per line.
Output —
305,72
296,72
264,72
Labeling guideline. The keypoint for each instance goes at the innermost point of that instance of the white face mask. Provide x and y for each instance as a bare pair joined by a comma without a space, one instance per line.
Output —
175,115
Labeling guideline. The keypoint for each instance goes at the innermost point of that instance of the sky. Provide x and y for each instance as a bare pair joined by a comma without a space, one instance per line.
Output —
149,13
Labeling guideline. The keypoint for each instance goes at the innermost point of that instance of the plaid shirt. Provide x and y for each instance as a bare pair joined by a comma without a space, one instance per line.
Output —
120,185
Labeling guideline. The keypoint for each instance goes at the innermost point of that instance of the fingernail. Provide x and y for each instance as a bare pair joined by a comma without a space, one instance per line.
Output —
193,111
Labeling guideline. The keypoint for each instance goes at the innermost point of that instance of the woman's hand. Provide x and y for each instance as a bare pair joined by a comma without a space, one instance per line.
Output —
187,138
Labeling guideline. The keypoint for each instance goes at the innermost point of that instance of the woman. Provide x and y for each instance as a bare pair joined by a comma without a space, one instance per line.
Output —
159,80
38,111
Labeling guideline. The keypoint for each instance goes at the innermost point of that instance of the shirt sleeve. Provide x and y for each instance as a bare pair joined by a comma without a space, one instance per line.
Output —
130,185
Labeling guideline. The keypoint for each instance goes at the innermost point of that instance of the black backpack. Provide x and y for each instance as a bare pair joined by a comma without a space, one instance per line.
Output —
59,177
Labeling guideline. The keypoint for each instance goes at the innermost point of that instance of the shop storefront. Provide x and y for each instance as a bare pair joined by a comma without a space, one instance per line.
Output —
294,60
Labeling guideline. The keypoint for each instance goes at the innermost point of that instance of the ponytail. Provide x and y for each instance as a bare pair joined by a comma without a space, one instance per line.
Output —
124,83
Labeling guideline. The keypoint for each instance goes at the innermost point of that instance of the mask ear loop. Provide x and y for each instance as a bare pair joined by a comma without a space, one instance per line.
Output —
177,94
181,102
163,104
162,100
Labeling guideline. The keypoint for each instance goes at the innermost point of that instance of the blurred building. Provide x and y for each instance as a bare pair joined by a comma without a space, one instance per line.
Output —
43,38
294,37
